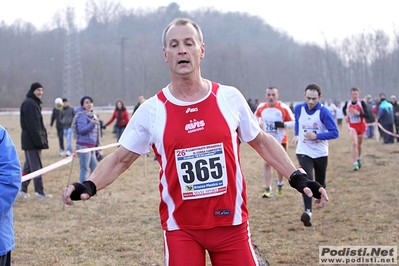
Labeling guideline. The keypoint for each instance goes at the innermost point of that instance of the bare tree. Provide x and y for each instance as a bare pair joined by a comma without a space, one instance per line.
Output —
105,11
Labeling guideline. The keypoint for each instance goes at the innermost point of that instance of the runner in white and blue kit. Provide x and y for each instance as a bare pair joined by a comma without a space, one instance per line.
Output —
314,125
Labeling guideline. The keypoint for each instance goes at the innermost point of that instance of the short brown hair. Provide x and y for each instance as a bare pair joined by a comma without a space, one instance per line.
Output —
313,87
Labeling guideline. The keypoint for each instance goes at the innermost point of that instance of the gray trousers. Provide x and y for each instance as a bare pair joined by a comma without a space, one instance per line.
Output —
33,162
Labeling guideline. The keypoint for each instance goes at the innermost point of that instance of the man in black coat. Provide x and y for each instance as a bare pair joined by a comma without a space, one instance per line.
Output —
33,139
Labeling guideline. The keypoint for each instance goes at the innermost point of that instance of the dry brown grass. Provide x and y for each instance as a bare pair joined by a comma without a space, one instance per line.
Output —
121,226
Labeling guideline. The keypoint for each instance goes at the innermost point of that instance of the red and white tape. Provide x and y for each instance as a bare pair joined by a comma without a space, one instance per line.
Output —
383,129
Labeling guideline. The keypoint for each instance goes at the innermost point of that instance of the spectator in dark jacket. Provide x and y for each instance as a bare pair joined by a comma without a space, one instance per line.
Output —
395,105
251,105
66,116
386,118
55,117
140,100
33,139
371,119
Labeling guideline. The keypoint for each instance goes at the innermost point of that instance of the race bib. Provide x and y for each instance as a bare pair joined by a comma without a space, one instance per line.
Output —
312,128
201,171
270,128
354,119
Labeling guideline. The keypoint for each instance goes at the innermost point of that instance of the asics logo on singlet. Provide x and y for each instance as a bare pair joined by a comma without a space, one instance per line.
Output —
194,126
191,110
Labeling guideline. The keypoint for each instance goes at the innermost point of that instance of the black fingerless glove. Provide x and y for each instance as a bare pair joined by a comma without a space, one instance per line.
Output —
299,181
86,187
279,124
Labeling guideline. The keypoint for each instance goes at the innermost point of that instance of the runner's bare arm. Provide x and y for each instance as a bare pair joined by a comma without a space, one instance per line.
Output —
273,153
112,166
107,171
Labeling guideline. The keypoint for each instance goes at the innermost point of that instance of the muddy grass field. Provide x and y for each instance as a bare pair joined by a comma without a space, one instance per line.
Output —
120,226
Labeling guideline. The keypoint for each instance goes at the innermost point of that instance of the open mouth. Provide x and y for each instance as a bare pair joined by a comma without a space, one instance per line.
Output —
183,62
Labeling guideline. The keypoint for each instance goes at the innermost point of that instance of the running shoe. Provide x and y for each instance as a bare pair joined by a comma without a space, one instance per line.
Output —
43,196
280,191
356,166
23,195
267,193
359,163
306,218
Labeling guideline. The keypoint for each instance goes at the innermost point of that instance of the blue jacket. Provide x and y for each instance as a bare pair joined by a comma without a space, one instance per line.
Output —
87,130
385,112
10,182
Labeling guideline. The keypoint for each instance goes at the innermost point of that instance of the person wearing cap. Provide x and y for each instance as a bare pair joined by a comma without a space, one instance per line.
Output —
66,117
33,139
395,105
86,131
55,117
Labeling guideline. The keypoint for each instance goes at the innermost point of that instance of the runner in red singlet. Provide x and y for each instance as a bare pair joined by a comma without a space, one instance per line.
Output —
355,111
194,127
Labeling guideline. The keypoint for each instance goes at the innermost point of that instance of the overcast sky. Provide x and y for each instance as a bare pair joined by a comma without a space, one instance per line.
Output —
305,20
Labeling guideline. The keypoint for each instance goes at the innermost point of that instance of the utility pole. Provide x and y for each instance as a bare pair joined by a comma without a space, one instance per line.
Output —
72,76
123,70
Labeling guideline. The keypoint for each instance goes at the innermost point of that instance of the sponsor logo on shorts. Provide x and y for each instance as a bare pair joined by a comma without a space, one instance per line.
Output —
221,212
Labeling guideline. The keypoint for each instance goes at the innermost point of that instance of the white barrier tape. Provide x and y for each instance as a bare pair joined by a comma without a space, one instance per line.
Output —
47,168
388,132
97,148
64,161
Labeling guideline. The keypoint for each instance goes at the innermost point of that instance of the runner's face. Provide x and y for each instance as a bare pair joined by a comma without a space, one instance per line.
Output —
312,98
183,51
355,95
272,96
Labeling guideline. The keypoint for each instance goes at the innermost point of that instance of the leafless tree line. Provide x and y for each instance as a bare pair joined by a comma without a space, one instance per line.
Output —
122,56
